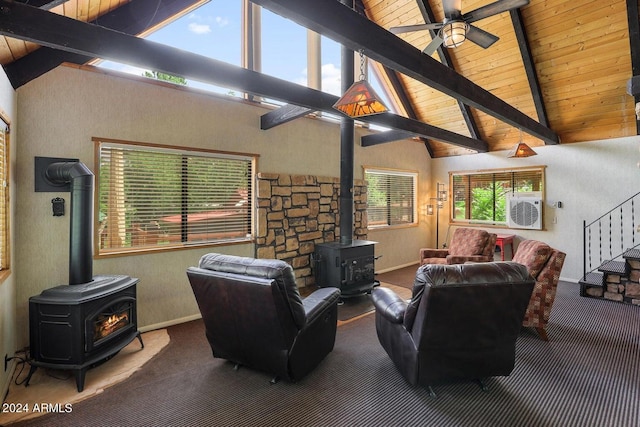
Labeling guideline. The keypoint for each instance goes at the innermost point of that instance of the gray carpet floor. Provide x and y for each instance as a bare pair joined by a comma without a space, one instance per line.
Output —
586,375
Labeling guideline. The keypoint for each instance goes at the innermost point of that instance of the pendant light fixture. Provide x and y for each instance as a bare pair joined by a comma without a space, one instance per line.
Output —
521,149
360,99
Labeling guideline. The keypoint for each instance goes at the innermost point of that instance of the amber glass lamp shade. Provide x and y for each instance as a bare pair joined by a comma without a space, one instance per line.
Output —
360,100
521,150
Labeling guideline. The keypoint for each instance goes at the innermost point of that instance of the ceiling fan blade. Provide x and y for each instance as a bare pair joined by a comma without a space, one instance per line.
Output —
452,9
418,27
433,46
493,9
481,37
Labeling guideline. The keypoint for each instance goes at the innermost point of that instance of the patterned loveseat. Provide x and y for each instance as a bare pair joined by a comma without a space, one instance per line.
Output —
544,264
467,245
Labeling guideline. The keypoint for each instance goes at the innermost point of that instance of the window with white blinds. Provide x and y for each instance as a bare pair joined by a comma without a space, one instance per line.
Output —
4,195
481,196
391,197
152,197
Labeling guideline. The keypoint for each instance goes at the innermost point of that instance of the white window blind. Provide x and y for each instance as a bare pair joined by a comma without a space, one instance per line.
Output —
391,197
481,196
151,197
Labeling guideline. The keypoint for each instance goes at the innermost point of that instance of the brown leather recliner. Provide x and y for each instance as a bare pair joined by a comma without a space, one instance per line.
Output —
254,315
461,323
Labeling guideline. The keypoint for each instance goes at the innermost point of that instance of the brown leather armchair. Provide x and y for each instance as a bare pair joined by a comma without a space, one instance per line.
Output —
544,263
461,323
467,245
254,315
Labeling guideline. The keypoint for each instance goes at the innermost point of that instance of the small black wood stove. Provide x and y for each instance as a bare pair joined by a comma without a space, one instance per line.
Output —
80,325
346,265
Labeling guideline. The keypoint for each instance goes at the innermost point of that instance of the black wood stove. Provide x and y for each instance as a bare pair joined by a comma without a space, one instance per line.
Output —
79,326
346,265
82,324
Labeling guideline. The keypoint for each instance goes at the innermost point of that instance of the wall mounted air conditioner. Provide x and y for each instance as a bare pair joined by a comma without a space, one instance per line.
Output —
524,212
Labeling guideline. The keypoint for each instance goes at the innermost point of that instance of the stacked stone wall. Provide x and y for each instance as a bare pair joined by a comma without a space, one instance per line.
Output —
295,212
624,288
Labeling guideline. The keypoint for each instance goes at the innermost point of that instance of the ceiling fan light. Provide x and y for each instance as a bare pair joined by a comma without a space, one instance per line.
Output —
454,33
360,100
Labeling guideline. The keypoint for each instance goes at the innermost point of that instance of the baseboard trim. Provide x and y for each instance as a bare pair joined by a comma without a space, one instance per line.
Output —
11,371
168,323
397,267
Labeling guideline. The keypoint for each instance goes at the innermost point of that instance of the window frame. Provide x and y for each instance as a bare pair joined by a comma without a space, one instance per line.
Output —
541,169
172,150
5,234
414,208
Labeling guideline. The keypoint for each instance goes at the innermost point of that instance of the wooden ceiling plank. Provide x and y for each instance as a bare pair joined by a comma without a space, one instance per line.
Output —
58,32
633,19
445,59
343,25
131,18
5,51
401,94
529,67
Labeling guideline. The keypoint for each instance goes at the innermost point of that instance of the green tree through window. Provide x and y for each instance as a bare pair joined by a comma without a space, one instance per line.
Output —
152,197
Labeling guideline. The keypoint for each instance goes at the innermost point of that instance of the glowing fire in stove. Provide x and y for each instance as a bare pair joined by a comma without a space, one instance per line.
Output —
106,325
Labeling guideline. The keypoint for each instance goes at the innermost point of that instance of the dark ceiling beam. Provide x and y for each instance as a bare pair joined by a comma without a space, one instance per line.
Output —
132,18
343,25
418,128
529,66
633,18
59,32
282,115
384,137
398,88
43,4
445,59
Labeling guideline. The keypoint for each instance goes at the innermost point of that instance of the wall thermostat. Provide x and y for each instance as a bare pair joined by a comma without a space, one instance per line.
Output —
58,206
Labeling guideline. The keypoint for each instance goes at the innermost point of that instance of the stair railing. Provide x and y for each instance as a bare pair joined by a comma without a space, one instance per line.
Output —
608,237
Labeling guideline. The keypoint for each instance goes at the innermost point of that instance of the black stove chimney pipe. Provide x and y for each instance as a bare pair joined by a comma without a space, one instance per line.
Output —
346,149
81,239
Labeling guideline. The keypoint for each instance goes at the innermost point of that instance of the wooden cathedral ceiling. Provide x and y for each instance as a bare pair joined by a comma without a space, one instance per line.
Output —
578,52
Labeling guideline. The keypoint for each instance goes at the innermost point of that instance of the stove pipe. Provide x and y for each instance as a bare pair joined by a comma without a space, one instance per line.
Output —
347,138
81,238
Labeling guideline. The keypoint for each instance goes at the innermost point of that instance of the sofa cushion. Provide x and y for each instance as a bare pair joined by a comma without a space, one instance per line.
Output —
533,255
468,241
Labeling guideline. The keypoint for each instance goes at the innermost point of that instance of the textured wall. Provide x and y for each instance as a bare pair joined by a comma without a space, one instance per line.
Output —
62,110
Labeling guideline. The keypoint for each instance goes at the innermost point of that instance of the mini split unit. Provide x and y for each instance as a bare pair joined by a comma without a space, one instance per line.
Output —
524,212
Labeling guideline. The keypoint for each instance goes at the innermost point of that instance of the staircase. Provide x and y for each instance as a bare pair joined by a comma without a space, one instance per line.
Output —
612,255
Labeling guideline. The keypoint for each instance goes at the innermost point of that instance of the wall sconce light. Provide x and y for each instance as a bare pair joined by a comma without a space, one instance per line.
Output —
429,209
441,197
442,193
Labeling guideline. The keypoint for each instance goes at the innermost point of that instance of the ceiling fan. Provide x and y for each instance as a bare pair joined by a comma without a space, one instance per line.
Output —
456,27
